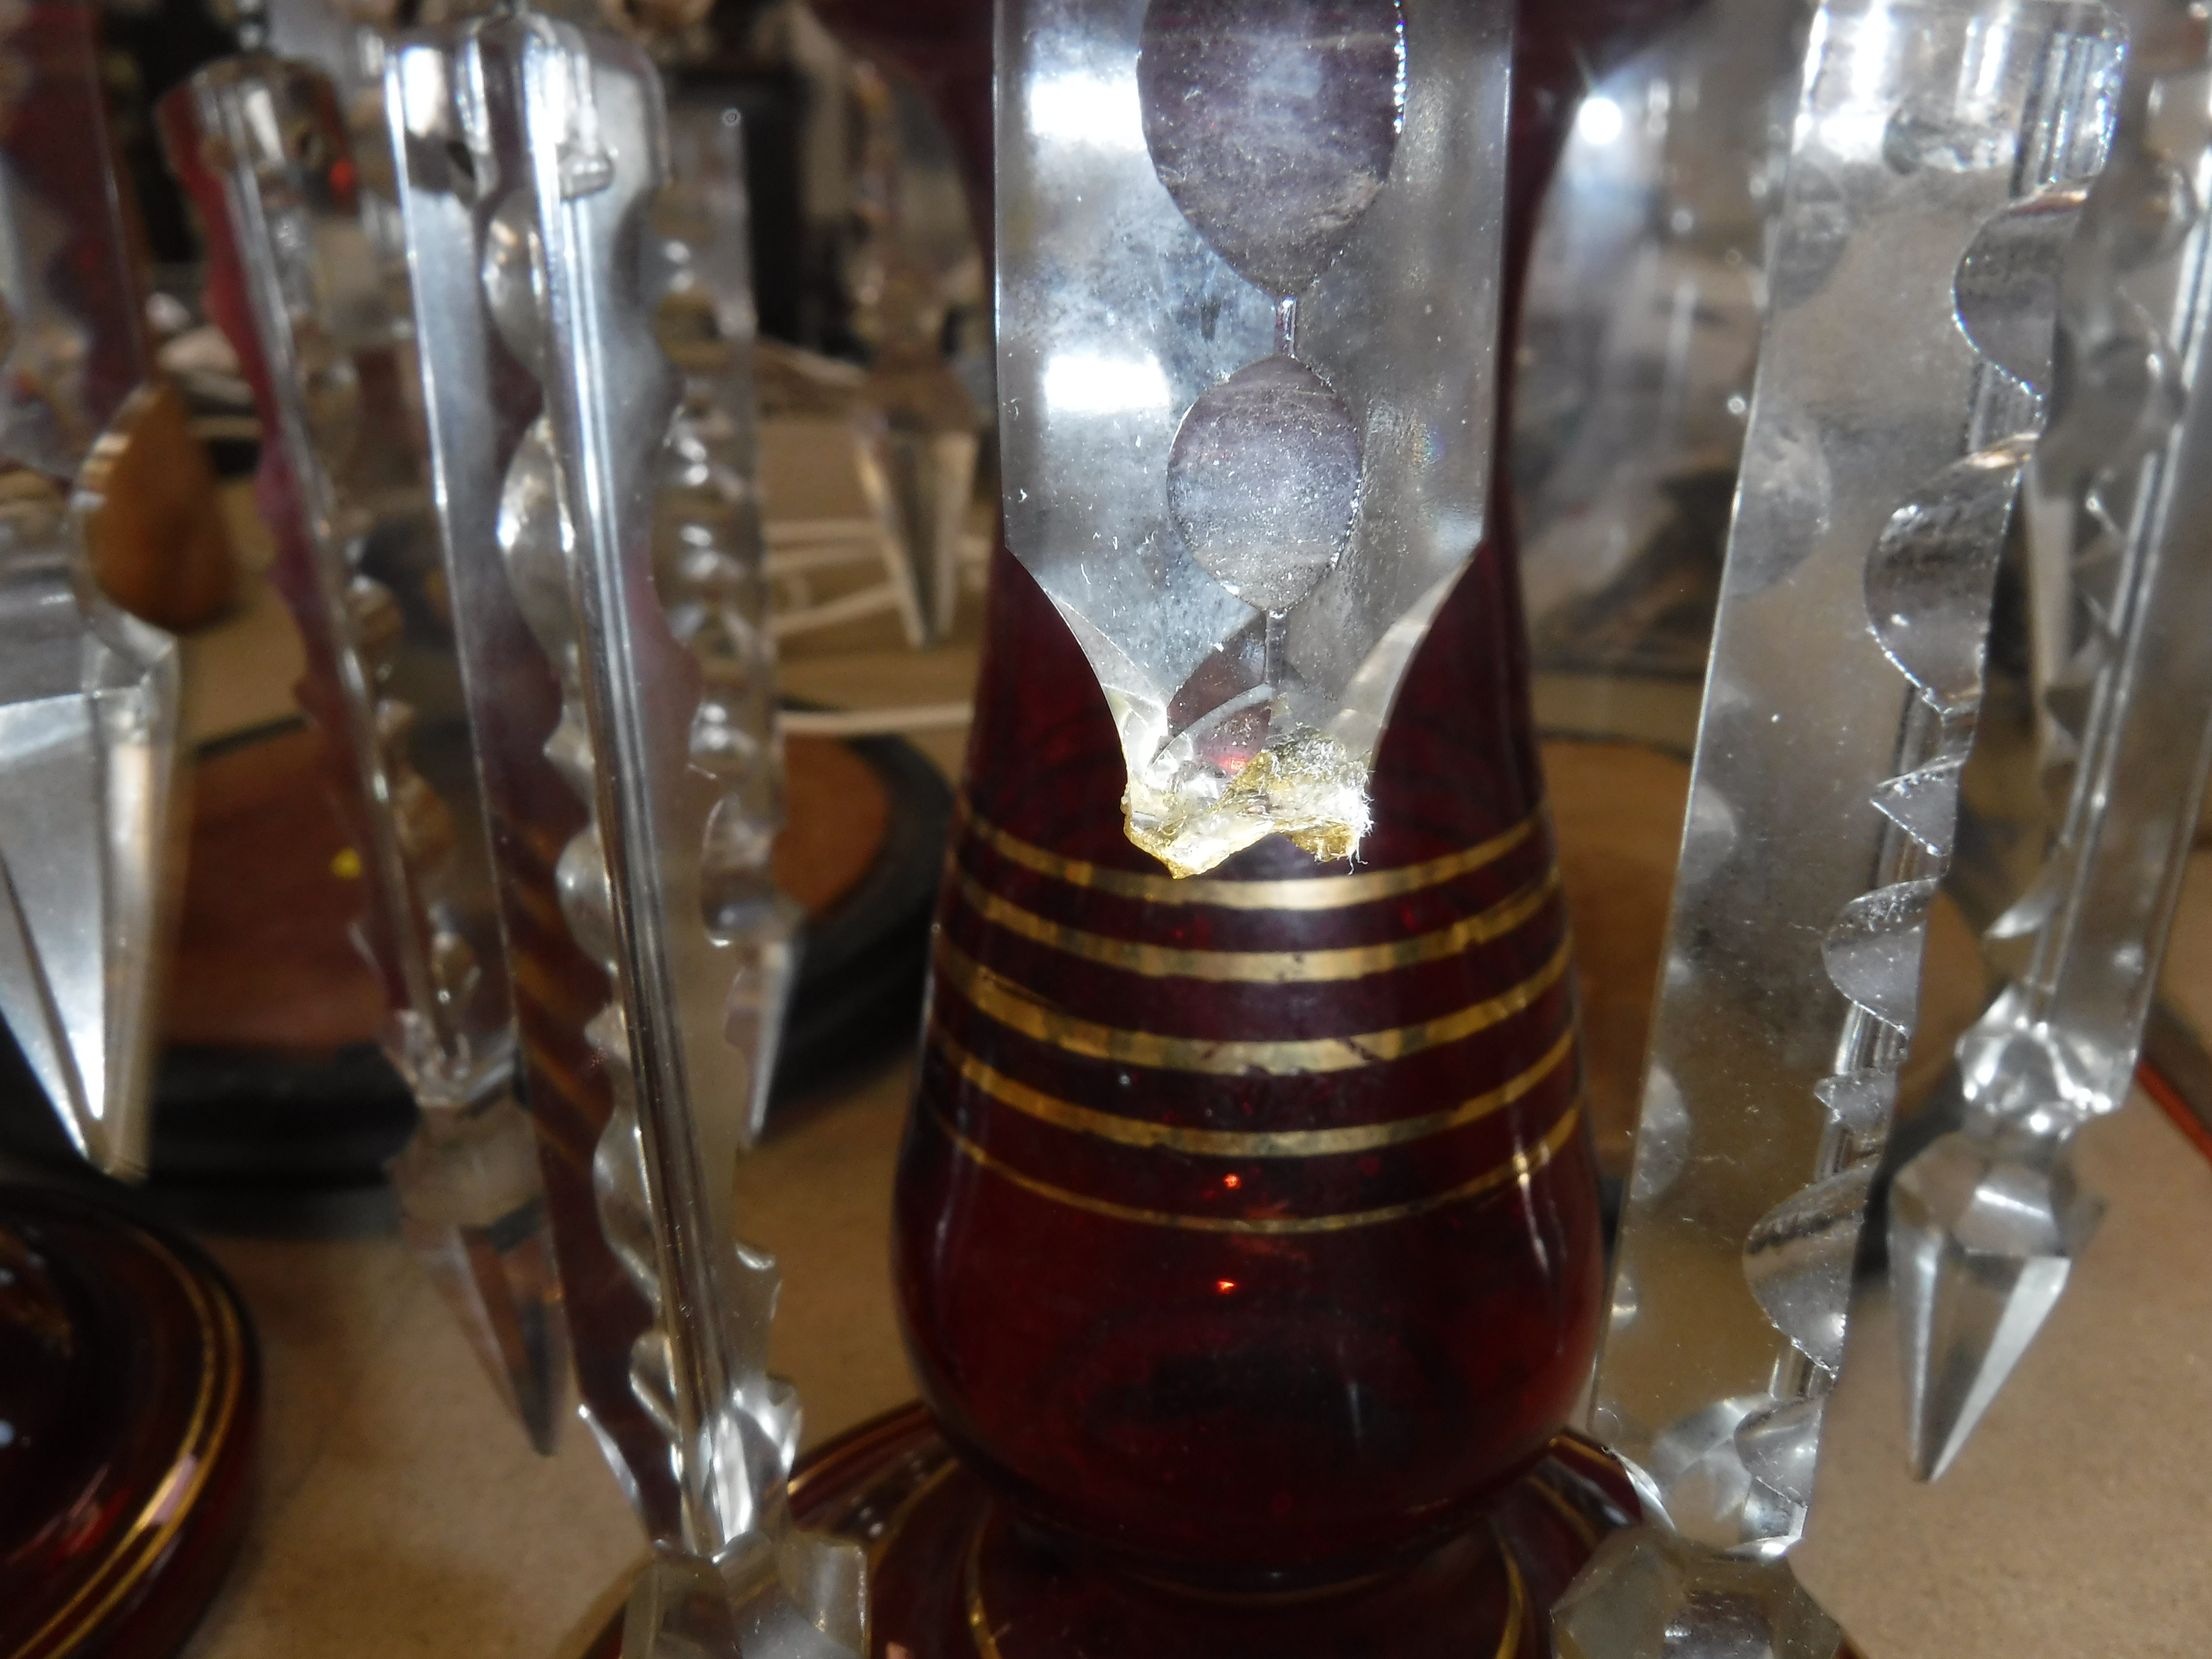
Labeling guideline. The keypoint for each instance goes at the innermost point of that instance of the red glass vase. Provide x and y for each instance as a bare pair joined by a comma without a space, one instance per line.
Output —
1246,1226
1246,1233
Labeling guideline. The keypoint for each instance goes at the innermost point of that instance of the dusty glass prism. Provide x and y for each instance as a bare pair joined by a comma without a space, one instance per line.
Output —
88,712
593,512
88,695
261,145
1248,595
916,429
1650,1595
1982,1237
1638,337
917,449
709,567
2116,519
1937,165
472,1208
74,346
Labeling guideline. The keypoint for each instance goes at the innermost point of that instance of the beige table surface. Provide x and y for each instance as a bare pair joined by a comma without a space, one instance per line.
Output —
399,1513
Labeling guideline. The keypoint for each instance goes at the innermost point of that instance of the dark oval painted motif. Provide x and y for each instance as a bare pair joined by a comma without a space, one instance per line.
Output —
1271,123
1263,481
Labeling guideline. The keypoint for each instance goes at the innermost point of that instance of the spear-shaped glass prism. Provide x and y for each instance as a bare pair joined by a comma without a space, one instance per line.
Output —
1248,308
88,700
261,145
1986,1222
916,425
88,696
622,770
76,346
1937,172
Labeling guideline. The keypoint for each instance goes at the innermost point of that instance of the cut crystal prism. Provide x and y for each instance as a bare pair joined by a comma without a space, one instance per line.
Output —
1845,684
472,1207
89,700
1647,1594
1981,1240
590,438
796,1600
259,145
760,996
2115,733
679,1609
916,425
917,450
1248,501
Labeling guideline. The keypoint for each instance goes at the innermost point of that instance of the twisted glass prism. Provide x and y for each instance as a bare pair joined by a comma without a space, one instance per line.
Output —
1988,1221
1937,170
261,145
534,156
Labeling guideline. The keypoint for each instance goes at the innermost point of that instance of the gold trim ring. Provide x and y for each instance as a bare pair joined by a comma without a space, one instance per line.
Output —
1260,967
1238,1143
1307,893
1011,1006
145,1542
1519,1167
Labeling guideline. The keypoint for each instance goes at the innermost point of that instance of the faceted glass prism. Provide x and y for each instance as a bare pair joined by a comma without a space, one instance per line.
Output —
259,144
1931,143
1649,1594
1246,422
1982,1237
472,1207
801,1599
917,449
679,1608
2112,734
89,702
590,436
760,996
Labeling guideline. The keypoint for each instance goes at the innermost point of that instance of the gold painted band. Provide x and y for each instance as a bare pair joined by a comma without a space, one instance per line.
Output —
145,1545
1261,966
1516,1168
1235,1143
1576,1521
971,1576
905,1512
1001,1000
1516,1598
1314,893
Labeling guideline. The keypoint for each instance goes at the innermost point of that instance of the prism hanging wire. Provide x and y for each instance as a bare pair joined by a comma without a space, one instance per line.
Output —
532,156
1938,166
88,695
1985,1223
1273,474
261,146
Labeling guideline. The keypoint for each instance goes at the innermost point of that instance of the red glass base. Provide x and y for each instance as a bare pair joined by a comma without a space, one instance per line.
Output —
956,1576
129,1395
